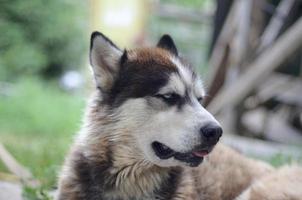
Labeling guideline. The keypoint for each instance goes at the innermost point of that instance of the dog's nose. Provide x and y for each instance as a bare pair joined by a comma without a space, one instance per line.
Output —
211,132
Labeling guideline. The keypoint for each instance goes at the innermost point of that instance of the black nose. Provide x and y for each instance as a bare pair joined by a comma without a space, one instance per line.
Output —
211,132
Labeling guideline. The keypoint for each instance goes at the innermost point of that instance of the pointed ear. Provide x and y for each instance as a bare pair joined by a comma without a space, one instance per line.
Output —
105,60
166,42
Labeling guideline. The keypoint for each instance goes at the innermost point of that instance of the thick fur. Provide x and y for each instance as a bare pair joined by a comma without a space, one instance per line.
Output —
286,183
112,157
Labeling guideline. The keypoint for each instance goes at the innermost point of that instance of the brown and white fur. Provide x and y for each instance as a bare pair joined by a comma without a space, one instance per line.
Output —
284,184
146,133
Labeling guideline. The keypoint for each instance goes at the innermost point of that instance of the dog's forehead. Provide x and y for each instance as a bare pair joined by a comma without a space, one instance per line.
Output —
151,56
161,59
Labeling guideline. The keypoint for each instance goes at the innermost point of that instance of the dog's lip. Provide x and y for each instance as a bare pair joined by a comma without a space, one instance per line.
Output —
200,153
162,150
165,152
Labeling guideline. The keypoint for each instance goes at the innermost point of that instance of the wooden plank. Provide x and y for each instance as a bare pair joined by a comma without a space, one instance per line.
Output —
240,42
12,164
260,148
284,88
272,126
257,71
9,177
221,13
16,168
275,24
218,61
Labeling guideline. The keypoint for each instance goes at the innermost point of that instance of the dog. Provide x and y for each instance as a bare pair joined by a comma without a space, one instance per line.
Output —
146,134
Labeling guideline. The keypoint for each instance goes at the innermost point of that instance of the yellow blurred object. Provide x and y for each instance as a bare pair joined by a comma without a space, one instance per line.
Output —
122,20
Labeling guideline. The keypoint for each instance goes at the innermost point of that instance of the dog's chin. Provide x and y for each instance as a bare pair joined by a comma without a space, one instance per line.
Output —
191,158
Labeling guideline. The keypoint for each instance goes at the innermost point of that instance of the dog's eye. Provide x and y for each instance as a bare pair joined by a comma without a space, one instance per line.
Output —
170,98
200,99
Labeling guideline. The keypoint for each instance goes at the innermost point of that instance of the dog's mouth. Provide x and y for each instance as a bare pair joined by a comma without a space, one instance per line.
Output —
192,158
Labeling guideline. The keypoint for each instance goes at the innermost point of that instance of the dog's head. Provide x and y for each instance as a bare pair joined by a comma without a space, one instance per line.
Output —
157,96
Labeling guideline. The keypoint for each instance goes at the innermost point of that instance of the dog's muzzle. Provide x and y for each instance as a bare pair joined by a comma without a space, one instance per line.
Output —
209,135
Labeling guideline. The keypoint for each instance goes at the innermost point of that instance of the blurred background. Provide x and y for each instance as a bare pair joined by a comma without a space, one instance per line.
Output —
248,53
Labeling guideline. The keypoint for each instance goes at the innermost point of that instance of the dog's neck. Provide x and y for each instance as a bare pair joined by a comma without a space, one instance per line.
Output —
134,176
127,175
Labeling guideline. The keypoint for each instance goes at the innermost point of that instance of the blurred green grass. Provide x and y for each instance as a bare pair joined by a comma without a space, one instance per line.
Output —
37,124
280,159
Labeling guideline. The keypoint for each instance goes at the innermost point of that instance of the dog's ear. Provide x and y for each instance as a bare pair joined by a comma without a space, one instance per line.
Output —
105,59
166,42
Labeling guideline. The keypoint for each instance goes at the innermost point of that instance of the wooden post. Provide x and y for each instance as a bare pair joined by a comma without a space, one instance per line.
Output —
220,54
241,39
269,60
16,168
275,24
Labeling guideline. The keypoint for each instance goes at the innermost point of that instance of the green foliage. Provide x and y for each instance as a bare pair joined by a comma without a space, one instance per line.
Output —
280,159
36,194
37,123
189,3
40,36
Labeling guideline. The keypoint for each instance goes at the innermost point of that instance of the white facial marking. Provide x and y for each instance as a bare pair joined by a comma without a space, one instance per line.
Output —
174,85
199,88
187,78
184,72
